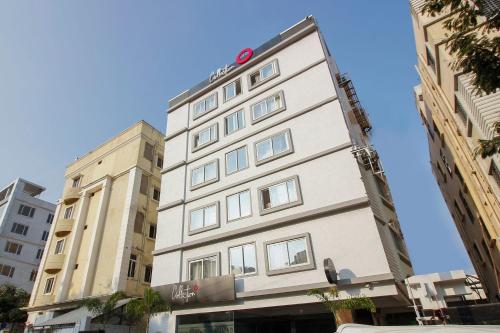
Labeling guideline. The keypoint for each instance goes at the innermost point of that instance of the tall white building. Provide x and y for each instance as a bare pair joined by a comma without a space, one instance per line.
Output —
25,221
271,179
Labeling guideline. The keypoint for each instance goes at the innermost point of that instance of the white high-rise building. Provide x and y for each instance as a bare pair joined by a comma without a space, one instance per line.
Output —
25,221
270,181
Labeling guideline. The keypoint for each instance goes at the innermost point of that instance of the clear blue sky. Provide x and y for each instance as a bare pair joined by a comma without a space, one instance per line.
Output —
73,74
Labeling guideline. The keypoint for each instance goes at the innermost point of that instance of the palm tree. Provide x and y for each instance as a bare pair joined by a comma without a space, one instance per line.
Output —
105,309
144,308
337,306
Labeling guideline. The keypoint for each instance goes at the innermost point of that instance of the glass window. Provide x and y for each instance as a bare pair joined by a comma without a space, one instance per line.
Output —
203,217
234,122
156,194
68,212
49,285
287,254
203,268
131,265
264,73
76,181
267,106
7,270
14,248
45,235
232,90
26,211
236,160
148,151
20,229
238,205
279,194
159,161
152,231
59,246
33,274
204,173
39,253
50,218
205,136
242,259
205,105
276,145
148,271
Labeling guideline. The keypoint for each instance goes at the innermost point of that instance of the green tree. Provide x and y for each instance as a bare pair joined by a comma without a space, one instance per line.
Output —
142,309
335,304
471,39
105,309
11,300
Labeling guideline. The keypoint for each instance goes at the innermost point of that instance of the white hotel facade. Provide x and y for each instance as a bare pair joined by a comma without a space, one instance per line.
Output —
270,172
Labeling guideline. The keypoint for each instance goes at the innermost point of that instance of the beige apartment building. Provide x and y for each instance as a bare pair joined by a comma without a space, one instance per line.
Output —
455,118
103,232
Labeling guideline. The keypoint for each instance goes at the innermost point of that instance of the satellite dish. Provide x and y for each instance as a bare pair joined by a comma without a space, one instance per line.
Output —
330,272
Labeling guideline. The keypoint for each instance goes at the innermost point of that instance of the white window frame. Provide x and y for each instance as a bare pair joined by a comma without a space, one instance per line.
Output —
290,204
24,227
71,210
76,181
12,270
205,109
268,113
213,134
309,265
31,210
45,292
243,258
135,262
19,247
205,227
238,169
236,114
202,258
236,93
205,181
276,73
57,249
239,205
290,150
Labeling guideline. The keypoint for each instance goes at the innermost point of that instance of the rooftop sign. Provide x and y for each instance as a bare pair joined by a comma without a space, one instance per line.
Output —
241,58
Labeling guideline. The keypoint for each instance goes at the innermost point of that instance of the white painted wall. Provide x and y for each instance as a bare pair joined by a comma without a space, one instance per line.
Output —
26,261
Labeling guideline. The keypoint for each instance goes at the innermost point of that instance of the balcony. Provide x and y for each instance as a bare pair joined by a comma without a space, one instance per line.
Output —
54,263
72,195
64,227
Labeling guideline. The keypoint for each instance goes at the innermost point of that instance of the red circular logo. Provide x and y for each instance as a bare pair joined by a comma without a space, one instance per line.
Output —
244,56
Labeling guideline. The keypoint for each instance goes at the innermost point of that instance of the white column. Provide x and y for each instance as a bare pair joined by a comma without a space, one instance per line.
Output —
126,231
74,247
96,238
